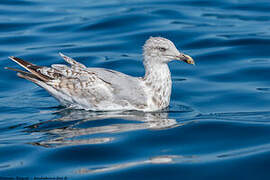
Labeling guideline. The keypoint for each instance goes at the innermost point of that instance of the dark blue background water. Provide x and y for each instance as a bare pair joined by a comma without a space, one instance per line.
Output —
217,126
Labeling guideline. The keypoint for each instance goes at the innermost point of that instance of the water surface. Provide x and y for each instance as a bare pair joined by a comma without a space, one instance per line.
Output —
216,127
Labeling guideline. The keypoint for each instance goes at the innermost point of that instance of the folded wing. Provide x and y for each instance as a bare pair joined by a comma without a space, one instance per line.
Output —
87,88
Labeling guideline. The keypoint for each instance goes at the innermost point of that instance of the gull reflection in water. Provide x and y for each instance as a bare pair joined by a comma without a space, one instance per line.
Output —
76,127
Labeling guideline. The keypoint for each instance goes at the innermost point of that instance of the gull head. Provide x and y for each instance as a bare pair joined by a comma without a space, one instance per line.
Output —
163,50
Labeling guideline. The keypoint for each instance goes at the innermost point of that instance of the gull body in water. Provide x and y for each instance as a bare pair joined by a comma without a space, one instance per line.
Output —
100,89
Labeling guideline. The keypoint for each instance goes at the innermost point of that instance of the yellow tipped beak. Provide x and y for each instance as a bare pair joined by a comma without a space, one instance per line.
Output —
186,58
189,60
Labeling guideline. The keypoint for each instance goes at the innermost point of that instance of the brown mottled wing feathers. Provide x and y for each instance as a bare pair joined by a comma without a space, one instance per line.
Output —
71,61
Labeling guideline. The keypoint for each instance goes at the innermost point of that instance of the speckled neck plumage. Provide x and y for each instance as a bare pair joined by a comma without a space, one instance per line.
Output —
158,79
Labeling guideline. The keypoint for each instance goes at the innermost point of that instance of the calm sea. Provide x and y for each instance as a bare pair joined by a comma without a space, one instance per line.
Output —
217,126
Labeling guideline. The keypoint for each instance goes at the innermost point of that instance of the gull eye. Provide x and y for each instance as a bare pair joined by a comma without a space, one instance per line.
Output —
162,49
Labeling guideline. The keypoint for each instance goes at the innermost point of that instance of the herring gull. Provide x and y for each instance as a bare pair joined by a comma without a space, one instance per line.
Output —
100,89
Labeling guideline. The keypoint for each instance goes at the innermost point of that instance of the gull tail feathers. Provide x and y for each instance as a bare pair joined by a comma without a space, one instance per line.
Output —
25,75
33,73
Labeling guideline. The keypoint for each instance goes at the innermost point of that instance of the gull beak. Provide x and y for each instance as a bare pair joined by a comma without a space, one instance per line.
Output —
186,58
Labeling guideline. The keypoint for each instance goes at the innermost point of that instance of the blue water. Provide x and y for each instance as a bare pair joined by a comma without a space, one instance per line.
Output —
217,126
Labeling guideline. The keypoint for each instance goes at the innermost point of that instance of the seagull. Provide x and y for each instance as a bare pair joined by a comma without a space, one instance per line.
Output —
99,89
